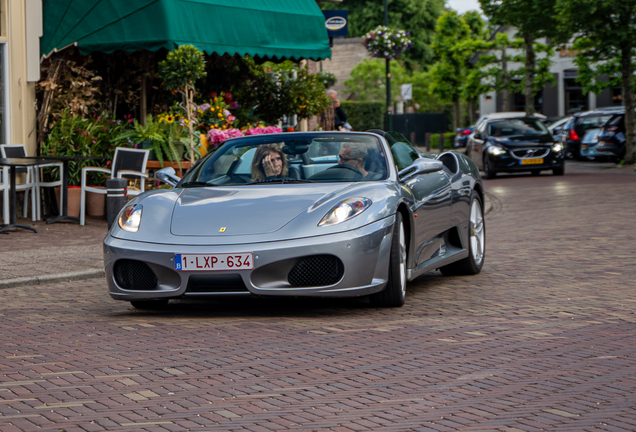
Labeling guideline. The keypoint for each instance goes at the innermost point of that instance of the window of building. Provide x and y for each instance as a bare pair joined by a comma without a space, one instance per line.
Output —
617,96
575,99
520,101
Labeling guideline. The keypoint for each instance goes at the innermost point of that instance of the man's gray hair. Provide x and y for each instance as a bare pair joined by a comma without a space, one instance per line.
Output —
358,150
332,91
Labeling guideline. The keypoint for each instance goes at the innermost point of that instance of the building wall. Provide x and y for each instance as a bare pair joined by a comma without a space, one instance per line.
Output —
21,29
345,54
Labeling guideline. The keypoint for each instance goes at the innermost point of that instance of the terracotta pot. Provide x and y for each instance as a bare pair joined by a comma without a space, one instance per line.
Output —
74,195
95,204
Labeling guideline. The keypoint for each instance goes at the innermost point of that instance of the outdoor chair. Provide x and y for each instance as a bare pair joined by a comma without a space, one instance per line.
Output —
4,188
18,151
127,163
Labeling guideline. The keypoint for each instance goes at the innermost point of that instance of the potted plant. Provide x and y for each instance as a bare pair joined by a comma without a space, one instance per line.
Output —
153,136
385,42
95,135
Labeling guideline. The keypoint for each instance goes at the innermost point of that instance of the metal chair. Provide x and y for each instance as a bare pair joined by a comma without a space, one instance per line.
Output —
18,151
4,188
127,163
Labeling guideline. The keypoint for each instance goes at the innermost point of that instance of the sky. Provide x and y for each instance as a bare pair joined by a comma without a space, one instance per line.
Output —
462,6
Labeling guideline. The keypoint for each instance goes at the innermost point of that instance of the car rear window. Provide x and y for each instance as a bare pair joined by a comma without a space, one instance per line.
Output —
590,122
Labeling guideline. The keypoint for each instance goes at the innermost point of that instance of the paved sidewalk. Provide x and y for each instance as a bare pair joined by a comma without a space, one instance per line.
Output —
57,252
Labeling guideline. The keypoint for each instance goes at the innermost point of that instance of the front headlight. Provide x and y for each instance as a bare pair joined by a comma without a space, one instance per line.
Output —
130,218
347,209
496,151
557,147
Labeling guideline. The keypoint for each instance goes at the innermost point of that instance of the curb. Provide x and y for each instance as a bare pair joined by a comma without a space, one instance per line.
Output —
46,279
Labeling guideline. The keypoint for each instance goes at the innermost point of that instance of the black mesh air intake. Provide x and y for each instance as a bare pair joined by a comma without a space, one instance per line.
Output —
316,270
134,275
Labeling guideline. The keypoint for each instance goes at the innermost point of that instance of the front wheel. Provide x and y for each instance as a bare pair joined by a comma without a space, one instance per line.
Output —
474,262
489,173
394,294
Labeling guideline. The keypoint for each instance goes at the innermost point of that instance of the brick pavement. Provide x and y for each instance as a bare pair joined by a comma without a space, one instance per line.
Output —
543,339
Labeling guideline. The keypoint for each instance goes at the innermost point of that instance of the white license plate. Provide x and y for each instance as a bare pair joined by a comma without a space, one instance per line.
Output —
212,262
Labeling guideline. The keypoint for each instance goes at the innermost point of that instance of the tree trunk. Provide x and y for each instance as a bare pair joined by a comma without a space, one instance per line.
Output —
471,111
505,93
456,114
530,65
628,101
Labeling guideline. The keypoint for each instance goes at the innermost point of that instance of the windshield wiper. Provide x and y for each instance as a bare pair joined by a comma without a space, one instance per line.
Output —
194,184
282,180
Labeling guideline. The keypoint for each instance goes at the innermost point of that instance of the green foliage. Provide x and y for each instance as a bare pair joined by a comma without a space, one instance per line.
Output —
328,79
449,140
159,135
284,89
94,136
368,83
182,66
364,115
417,16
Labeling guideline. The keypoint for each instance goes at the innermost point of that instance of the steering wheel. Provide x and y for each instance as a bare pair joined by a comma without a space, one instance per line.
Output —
345,166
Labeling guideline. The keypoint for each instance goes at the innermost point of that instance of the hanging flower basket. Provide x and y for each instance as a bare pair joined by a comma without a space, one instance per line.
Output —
384,42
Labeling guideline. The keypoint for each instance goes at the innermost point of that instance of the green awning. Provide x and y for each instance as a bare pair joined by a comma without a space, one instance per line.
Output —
273,29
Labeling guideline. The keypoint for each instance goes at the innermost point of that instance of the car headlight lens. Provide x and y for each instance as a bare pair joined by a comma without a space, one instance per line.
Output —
496,151
130,218
346,210
557,147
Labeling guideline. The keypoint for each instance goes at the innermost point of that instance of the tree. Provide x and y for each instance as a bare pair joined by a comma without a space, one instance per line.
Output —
533,19
418,17
453,50
605,39
368,83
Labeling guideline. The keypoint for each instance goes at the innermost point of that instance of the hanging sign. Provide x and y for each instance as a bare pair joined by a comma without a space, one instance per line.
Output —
337,22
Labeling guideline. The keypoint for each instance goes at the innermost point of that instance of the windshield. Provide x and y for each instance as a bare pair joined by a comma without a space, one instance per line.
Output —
291,158
515,127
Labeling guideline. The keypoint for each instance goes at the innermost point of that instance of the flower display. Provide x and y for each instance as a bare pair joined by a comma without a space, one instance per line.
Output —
218,136
214,115
385,42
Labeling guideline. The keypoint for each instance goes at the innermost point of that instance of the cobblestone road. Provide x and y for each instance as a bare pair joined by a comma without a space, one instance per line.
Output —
543,339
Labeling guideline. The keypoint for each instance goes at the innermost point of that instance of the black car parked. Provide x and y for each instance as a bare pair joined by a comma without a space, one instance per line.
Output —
512,143
574,130
611,140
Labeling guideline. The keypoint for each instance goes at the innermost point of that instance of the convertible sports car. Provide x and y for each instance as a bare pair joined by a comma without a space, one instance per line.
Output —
328,214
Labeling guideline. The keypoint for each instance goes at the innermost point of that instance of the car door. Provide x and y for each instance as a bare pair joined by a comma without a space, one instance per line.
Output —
477,143
432,195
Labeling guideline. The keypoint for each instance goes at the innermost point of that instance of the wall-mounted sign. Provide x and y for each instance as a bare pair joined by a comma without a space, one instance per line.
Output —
337,22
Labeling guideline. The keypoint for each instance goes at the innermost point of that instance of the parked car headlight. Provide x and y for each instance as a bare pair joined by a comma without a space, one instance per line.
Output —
130,218
346,210
496,151
557,147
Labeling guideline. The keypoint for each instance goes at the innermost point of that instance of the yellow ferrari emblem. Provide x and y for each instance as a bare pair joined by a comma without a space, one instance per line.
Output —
222,229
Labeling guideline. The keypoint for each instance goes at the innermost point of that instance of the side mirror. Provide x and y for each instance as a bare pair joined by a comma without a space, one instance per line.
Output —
477,135
420,166
167,175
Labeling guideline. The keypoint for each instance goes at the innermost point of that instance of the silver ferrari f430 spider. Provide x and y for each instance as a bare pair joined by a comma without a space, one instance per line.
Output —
323,214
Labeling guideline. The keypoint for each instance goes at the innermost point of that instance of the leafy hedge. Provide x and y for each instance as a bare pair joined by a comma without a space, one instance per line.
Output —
449,140
364,115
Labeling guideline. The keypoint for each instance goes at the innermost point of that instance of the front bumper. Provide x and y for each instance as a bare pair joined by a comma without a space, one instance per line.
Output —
508,163
364,253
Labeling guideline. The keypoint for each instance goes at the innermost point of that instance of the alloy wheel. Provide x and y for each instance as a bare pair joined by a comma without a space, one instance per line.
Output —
477,232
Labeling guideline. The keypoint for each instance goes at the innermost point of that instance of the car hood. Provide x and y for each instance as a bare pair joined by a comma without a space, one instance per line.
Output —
240,211
524,141
254,213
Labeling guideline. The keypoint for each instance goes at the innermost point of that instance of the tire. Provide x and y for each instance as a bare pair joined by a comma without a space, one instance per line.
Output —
149,304
394,293
559,171
474,262
489,173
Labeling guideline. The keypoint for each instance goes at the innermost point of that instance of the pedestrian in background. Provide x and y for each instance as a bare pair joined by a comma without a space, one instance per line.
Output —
340,117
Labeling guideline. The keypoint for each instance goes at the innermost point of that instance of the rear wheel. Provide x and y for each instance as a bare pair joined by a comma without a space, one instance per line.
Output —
149,304
474,262
394,294
489,173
